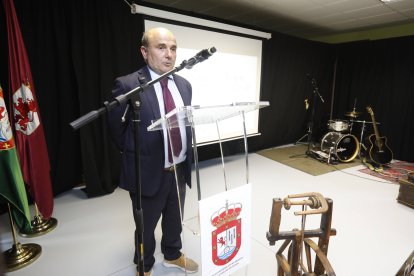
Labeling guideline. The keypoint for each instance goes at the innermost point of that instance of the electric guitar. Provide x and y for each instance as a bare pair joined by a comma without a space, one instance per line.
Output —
378,151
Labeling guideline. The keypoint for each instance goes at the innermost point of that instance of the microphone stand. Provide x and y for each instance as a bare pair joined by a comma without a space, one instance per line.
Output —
133,99
310,125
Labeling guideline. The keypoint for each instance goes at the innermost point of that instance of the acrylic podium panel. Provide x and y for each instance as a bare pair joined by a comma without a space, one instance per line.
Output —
197,115
194,116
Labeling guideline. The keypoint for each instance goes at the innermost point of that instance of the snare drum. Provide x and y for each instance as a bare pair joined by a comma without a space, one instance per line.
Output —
338,125
344,146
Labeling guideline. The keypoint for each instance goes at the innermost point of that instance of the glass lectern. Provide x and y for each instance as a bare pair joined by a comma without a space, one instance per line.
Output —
213,246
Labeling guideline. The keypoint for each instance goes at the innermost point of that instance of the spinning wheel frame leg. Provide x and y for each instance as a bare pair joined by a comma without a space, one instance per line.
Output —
294,254
283,265
308,257
323,242
321,257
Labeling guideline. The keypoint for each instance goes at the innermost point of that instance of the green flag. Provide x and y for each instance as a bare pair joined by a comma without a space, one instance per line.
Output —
12,189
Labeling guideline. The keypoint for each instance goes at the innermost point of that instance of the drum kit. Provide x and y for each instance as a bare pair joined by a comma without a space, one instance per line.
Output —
339,144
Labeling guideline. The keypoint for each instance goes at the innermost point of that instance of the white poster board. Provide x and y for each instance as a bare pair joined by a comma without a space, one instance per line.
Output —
225,223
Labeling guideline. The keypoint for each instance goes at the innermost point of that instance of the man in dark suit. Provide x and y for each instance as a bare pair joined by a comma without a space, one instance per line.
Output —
158,181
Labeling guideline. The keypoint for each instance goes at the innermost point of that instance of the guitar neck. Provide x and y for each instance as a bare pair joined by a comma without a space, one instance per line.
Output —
378,141
374,123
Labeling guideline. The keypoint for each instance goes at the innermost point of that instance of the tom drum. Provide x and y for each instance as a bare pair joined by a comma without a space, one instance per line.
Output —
344,146
338,125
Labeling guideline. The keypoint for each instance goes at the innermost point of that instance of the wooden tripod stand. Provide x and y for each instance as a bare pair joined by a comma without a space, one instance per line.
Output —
300,240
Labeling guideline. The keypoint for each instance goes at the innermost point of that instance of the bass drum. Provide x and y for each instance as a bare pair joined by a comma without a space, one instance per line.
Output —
344,146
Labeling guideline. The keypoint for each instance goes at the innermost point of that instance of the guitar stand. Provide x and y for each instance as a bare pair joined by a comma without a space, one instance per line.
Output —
372,166
300,240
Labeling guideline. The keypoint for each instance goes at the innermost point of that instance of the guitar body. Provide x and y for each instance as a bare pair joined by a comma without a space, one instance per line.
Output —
378,151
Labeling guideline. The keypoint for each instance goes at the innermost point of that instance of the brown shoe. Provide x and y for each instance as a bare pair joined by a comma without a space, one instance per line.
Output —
183,263
148,273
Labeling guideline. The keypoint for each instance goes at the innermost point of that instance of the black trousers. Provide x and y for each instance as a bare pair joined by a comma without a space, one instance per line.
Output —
164,203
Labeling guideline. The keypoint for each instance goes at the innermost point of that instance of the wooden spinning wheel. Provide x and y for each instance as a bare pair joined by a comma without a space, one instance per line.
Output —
299,241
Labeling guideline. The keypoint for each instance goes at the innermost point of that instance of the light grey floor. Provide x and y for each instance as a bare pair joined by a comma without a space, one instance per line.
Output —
375,234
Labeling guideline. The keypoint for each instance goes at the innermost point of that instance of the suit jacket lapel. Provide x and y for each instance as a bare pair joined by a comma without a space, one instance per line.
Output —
149,93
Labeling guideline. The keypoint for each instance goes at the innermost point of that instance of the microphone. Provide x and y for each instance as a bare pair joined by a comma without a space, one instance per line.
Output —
200,56
315,86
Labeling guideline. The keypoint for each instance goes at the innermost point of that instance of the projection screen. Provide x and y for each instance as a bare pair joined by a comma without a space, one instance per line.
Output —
230,75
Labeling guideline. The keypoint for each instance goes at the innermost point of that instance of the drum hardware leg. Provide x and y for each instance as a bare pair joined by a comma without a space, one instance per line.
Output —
362,148
361,145
330,155
308,135
300,139
331,159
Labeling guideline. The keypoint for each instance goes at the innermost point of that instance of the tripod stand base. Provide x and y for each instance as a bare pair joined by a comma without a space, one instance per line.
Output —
300,139
40,227
21,255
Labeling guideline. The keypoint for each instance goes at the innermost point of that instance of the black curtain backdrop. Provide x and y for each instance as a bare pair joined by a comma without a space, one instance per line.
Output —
77,48
380,74
289,65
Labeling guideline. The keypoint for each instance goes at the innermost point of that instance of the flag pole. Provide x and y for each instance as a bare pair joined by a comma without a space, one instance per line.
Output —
20,255
40,225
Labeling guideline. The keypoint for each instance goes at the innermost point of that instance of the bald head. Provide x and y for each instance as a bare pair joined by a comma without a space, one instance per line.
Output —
159,49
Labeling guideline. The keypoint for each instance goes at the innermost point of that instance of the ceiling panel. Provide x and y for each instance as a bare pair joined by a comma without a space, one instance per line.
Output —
302,18
409,14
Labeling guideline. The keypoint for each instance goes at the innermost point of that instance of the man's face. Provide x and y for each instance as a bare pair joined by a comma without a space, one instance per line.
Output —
161,53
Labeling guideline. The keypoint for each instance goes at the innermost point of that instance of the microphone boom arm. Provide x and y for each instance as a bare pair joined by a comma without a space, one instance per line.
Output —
94,114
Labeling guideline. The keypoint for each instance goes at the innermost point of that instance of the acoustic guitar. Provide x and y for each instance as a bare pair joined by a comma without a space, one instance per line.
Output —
378,151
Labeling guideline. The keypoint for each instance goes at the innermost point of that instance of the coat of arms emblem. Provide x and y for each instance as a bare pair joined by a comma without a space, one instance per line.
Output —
226,238
6,135
26,114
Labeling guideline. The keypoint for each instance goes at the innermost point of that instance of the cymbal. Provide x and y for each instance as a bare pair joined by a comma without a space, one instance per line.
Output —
352,114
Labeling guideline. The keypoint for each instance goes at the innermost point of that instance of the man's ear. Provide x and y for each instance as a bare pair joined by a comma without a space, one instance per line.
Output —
144,52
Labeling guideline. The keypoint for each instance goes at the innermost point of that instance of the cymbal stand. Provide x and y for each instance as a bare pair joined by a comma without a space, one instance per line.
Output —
353,112
361,145
351,124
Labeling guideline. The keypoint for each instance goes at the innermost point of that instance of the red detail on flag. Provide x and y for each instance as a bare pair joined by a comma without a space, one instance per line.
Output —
22,118
33,155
